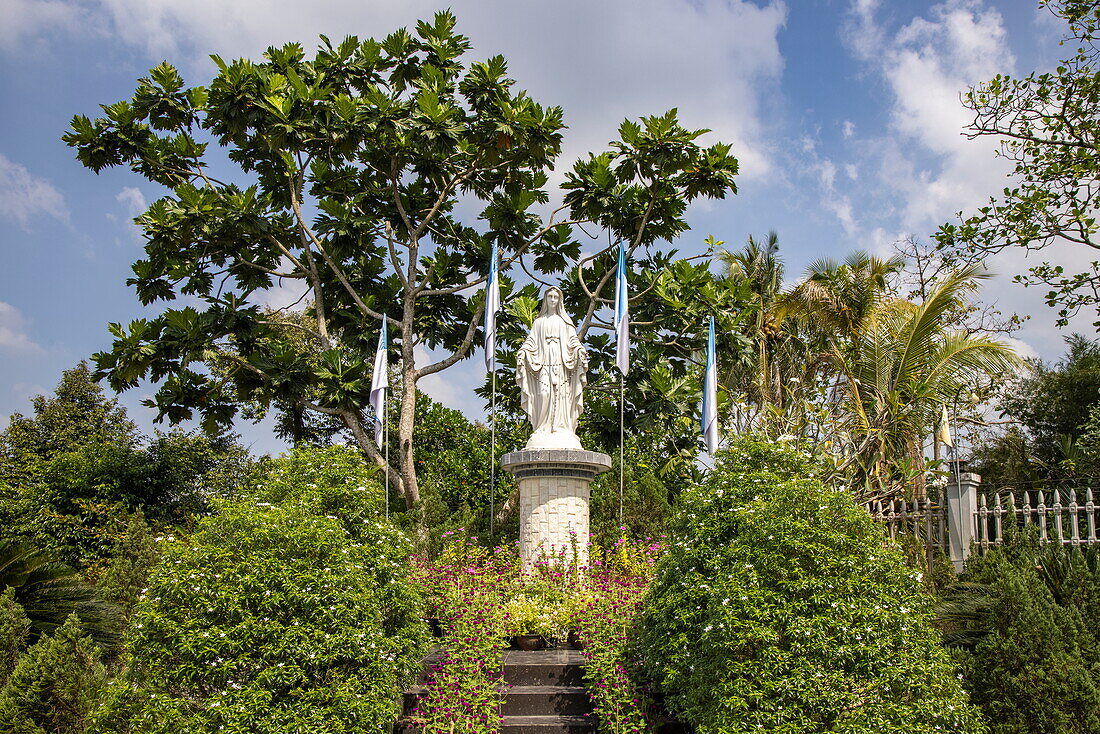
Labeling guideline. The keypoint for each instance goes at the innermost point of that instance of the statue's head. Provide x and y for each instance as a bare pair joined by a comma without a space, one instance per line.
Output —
552,304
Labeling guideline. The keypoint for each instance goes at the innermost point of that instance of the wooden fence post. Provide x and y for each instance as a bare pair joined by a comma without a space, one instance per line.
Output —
962,507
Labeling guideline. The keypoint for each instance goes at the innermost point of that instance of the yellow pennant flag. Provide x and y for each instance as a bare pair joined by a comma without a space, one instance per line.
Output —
943,432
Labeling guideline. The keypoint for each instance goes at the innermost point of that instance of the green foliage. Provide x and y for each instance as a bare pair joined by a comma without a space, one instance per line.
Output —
377,173
50,592
332,480
127,574
1034,662
71,475
646,504
55,685
1047,127
1054,406
286,611
78,415
527,615
14,628
778,607
453,463
465,589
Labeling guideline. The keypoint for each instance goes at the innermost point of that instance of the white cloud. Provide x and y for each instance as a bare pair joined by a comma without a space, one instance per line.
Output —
133,204
13,331
927,64
132,200
286,294
716,60
27,21
848,129
23,196
826,172
1022,348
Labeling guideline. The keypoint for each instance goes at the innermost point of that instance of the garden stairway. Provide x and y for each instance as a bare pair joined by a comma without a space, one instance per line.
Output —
544,694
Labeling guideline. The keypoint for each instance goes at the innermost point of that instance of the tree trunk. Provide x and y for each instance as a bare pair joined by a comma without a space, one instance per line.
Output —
405,432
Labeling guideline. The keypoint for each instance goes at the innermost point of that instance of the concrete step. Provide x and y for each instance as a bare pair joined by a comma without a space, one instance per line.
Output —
546,700
548,725
558,667
525,700
544,693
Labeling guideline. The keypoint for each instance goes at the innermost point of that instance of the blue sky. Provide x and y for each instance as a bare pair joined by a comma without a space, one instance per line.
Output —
845,116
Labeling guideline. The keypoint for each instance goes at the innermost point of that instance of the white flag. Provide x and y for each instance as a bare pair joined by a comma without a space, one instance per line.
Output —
492,305
709,409
943,432
622,315
380,382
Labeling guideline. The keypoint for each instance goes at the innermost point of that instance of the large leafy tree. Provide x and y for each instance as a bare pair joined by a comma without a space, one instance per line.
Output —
1048,126
375,177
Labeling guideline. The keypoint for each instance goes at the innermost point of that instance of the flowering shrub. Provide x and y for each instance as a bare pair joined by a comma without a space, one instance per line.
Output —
274,618
481,597
778,607
464,589
616,582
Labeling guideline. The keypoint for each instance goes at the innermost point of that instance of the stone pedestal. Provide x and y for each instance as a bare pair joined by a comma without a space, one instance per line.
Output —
553,500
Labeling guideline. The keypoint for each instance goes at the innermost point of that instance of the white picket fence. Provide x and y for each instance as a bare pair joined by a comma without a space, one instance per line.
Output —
967,518
1068,515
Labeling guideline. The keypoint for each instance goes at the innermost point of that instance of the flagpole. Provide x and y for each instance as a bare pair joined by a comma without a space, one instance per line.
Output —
622,444
386,444
492,305
493,458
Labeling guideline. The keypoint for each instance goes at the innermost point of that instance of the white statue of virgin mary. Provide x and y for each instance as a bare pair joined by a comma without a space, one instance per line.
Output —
552,370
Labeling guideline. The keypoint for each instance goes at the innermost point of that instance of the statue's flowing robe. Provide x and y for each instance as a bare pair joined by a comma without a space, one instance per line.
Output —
552,368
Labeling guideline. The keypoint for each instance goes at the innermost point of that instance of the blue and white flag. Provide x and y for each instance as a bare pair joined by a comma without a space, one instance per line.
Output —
622,315
380,382
709,409
492,305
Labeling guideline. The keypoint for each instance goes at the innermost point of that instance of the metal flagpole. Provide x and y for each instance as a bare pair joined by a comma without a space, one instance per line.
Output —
622,445
386,442
493,458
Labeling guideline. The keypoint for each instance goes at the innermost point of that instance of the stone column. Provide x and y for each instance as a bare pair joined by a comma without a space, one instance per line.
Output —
962,509
553,500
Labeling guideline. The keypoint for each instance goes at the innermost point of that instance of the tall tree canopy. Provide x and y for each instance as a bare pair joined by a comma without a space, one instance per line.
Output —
1048,126
375,177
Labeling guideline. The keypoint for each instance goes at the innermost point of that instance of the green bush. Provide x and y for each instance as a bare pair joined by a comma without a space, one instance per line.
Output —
288,611
780,608
1036,665
54,686
14,628
333,480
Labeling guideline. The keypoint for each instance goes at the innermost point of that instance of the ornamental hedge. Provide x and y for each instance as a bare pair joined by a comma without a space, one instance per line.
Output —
779,607
289,610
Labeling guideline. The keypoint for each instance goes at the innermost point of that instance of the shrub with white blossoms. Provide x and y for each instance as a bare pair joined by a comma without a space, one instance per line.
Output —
288,611
779,608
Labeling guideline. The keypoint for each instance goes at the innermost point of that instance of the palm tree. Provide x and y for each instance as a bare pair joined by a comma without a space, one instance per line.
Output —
904,362
836,299
49,591
781,364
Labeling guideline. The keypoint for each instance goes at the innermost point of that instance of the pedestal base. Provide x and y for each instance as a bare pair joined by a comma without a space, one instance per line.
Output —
553,501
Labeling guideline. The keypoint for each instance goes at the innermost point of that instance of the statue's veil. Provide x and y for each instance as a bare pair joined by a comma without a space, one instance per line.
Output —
544,309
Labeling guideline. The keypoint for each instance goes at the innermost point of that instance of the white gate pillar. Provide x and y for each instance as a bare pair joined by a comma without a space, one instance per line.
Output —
962,511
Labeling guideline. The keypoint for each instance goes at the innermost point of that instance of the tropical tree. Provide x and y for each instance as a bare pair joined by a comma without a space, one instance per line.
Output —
838,298
760,269
1048,127
49,591
356,171
904,364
